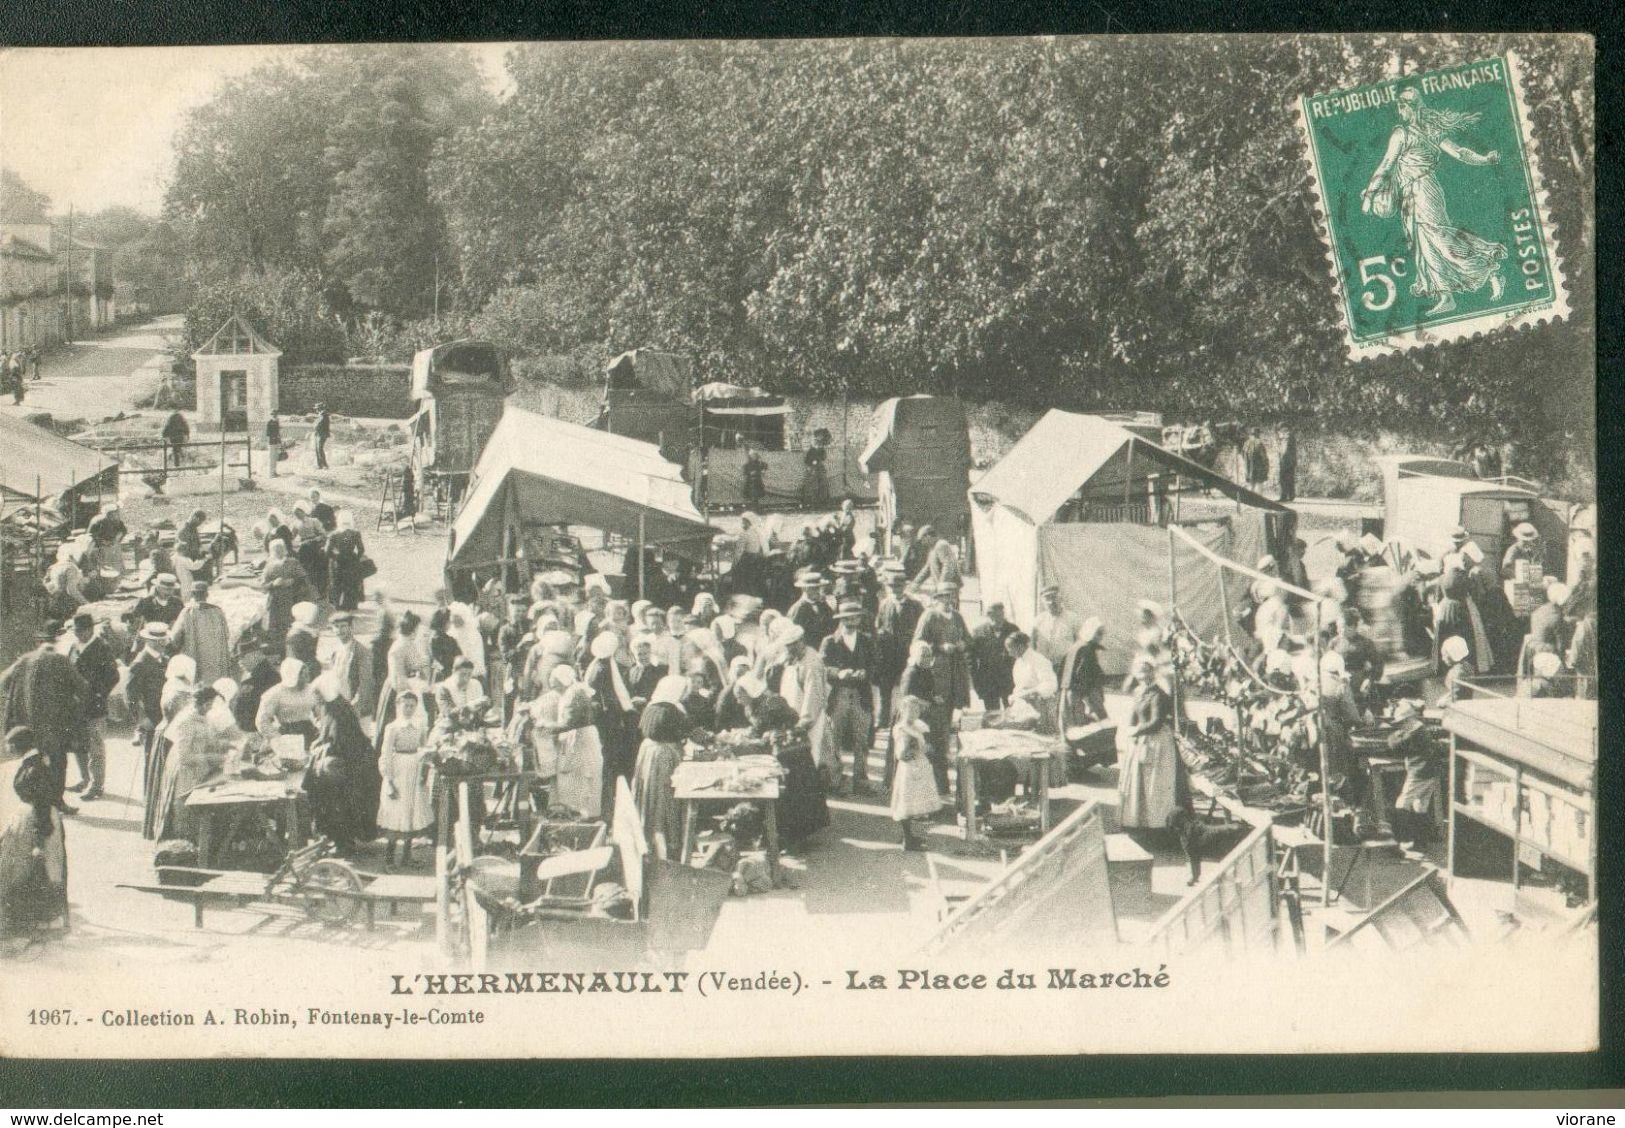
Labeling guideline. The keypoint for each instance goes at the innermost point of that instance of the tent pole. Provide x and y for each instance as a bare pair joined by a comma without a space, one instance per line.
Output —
1173,608
641,551
1230,644
1128,478
1325,771
73,499
222,474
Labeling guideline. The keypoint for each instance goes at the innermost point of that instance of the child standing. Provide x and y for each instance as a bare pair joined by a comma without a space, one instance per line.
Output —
914,783
404,809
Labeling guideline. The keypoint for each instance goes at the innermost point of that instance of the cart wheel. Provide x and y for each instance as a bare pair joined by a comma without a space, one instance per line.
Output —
330,874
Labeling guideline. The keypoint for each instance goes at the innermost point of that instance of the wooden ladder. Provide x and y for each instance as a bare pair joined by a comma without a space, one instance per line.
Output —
389,505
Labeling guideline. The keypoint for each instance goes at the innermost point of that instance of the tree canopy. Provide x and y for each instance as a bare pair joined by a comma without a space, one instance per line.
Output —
1073,222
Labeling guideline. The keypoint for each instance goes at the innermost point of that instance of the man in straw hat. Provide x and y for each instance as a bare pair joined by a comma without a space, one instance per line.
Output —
812,612
895,619
848,656
163,603
144,683
943,629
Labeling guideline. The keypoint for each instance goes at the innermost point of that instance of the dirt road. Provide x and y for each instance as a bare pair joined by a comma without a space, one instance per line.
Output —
100,376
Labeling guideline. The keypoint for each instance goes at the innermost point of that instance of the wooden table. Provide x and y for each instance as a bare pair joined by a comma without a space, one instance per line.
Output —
696,783
1034,758
229,801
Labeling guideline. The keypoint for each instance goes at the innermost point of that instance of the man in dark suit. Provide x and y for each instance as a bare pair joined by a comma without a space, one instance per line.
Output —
895,620
849,665
812,612
144,687
43,691
93,659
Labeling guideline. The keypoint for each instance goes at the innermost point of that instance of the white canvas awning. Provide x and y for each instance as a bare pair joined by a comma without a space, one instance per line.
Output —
1065,452
541,471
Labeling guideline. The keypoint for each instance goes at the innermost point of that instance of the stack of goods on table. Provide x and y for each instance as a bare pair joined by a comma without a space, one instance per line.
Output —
1013,750
1266,760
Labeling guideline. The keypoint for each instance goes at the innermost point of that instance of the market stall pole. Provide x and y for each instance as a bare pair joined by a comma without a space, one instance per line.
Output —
1326,891
446,790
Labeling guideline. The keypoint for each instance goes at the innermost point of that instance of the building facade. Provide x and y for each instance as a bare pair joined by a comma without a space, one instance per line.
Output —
52,289
31,306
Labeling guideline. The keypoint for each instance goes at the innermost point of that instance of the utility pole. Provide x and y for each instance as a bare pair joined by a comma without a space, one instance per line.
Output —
67,286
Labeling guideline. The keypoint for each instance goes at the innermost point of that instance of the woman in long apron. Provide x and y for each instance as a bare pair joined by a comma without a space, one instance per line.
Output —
664,726
1147,773
173,699
581,757
405,808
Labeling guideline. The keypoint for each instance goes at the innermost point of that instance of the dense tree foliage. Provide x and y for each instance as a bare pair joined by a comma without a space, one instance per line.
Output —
320,168
285,306
1077,222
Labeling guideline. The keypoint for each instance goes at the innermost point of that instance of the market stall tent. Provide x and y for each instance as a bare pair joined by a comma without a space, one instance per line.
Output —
539,471
1084,503
41,465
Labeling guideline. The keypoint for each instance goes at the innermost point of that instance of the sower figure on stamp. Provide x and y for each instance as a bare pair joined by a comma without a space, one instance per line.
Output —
1448,259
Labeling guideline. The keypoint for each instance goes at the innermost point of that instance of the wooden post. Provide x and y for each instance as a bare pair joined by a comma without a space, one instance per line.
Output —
844,411
442,871
73,500
248,453
1173,605
641,550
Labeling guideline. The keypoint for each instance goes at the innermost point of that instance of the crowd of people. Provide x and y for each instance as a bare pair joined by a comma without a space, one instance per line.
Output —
811,645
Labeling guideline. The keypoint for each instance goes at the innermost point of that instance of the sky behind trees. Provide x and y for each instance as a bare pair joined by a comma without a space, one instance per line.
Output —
95,127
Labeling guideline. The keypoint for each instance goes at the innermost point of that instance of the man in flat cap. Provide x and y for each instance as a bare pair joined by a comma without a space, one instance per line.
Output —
350,661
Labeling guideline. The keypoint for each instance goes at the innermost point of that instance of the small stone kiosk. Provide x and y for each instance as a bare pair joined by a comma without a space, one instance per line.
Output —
236,378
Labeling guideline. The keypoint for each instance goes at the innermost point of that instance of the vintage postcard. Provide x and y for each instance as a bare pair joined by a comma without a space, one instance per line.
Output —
707,549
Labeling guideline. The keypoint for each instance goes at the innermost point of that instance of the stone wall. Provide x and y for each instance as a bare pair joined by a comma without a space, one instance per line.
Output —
381,391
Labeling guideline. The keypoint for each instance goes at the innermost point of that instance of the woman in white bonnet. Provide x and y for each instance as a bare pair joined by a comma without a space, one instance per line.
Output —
581,759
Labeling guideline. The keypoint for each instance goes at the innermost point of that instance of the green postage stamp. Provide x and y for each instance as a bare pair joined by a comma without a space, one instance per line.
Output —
1429,190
